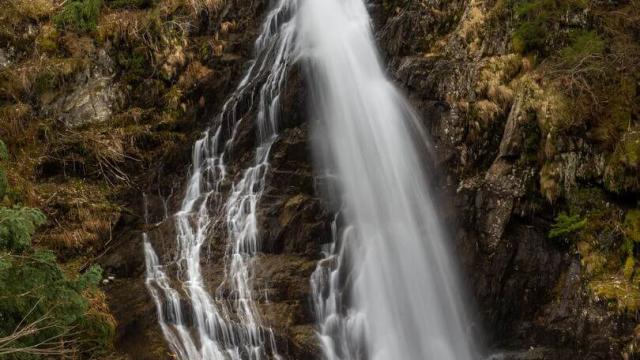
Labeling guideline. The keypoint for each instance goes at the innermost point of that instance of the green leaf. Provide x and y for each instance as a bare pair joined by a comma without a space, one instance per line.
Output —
566,225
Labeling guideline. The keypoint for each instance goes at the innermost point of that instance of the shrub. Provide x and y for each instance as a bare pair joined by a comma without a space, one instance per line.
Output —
566,225
582,44
42,311
536,21
79,15
17,225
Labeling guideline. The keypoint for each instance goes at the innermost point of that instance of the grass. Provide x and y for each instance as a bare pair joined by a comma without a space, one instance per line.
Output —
566,225
79,15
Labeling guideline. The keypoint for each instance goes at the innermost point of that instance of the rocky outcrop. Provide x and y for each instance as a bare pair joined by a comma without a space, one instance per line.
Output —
485,108
93,97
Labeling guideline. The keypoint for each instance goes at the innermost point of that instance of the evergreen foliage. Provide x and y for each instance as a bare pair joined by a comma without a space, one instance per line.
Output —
41,308
565,225
17,225
537,21
79,15
44,313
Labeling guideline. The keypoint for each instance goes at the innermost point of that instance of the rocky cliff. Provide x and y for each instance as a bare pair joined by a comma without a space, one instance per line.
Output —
532,107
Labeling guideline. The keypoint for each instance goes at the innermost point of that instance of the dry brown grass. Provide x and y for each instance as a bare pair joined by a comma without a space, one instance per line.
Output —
33,9
81,215
14,119
208,6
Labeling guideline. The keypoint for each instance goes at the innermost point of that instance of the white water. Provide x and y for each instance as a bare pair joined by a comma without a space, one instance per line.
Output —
226,325
388,288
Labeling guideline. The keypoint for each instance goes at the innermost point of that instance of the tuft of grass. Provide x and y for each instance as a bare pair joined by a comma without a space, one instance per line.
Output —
79,15
566,225
582,45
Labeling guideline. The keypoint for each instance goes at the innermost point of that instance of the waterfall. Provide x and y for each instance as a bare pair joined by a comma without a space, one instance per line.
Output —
388,288
225,325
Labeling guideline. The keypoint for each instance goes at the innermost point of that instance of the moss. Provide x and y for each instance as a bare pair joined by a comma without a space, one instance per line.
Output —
53,73
629,265
549,186
537,20
619,293
79,15
632,225
592,260
623,167
47,40
614,122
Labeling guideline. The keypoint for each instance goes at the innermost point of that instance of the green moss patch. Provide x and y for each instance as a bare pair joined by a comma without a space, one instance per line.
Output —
79,15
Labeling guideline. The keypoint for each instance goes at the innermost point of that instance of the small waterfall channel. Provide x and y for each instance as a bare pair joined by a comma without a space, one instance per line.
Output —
225,326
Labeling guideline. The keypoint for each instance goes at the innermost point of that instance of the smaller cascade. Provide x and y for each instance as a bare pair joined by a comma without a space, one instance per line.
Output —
341,327
166,299
226,324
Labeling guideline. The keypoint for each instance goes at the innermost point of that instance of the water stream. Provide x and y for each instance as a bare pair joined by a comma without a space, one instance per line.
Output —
387,287
225,325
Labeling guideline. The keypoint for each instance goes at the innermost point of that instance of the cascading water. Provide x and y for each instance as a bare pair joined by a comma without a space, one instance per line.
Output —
226,326
388,288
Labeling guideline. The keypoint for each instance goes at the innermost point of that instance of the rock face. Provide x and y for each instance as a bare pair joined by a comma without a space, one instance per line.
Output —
458,68
93,97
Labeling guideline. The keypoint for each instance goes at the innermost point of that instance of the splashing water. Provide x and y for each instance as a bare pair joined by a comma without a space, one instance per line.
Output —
387,288
227,325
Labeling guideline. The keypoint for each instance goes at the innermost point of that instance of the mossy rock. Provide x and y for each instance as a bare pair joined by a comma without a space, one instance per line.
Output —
623,170
632,225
